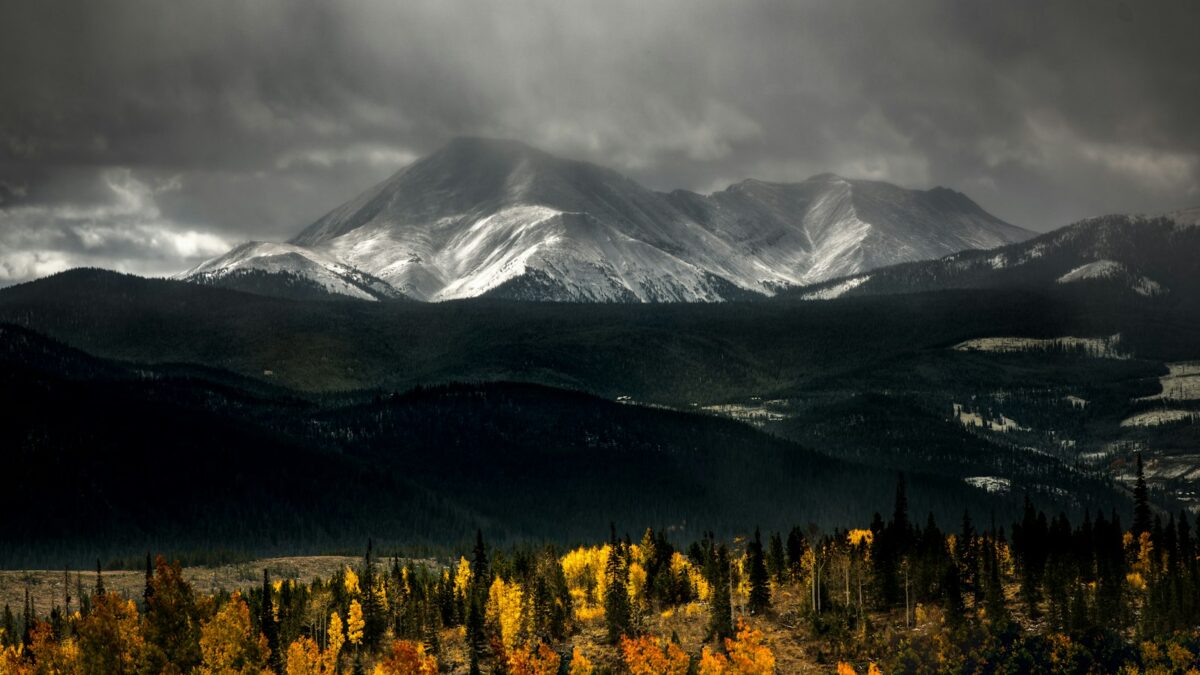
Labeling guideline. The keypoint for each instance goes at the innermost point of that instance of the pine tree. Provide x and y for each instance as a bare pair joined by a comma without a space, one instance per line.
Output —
776,561
481,580
99,579
376,622
1142,514
760,590
267,625
796,546
720,620
617,613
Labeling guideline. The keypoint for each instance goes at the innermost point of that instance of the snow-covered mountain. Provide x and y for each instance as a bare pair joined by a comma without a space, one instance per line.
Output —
1134,256
499,218
284,269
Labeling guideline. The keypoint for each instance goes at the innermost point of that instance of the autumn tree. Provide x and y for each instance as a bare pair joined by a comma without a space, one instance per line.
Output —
528,660
110,636
172,621
407,658
648,655
228,644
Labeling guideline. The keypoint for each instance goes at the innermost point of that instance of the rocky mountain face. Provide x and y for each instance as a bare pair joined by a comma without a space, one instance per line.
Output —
1119,256
499,218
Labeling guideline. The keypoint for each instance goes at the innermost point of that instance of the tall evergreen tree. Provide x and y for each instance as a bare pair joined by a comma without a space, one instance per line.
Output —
776,561
796,545
481,580
720,618
617,614
1142,514
99,579
374,621
760,590
266,622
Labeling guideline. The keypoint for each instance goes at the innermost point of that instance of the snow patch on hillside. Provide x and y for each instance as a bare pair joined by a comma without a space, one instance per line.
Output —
837,290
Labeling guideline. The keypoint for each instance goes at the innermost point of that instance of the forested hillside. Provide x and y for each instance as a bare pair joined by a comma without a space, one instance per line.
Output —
1047,594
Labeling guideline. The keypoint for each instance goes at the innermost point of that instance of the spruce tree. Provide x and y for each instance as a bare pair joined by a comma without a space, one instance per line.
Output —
720,619
1142,514
266,623
481,580
617,613
760,590
99,579
374,622
776,562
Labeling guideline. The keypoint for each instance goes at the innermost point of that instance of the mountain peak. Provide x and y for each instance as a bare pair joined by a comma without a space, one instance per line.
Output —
497,216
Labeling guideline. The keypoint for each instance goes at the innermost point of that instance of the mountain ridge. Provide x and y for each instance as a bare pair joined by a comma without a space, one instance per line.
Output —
485,216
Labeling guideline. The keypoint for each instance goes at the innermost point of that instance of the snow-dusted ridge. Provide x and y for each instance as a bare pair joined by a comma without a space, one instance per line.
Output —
488,217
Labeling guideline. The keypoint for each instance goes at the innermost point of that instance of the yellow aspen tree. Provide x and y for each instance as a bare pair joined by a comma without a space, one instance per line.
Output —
228,646
504,611
580,664
351,582
304,658
110,636
337,638
51,656
462,577
355,623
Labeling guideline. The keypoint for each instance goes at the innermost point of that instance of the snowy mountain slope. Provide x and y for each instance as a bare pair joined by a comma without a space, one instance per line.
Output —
294,270
1148,257
488,217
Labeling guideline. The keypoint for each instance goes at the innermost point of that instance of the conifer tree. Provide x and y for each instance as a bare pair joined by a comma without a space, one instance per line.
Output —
760,590
375,621
795,552
1142,514
776,562
266,622
99,579
720,619
617,613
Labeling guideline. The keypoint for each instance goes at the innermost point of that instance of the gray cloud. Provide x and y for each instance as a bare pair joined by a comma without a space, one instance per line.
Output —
265,114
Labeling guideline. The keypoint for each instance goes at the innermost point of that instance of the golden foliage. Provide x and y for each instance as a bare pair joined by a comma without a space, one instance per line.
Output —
856,537
407,658
639,597
51,656
746,654
525,660
110,636
228,646
844,668
504,610
650,656
462,577
351,581
337,637
583,569
580,664
355,623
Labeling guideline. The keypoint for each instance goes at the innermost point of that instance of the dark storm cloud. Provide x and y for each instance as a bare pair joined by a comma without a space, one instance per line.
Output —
147,134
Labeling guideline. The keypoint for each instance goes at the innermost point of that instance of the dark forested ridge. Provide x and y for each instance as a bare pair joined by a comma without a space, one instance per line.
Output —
316,389
183,459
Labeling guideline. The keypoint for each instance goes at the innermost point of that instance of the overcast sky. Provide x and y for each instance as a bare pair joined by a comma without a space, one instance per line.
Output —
148,135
